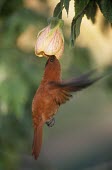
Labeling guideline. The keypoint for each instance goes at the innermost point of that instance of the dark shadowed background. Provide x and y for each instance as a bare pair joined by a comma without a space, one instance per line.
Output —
82,136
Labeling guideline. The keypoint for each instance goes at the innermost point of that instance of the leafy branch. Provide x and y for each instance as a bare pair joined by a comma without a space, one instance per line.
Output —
81,8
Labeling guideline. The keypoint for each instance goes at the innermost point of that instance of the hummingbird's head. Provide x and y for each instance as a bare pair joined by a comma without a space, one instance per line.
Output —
52,69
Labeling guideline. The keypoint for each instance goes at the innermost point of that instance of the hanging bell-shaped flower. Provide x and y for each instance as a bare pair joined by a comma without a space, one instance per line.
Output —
50,40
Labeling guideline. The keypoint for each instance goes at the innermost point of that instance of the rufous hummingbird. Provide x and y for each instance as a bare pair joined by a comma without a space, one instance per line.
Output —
52,92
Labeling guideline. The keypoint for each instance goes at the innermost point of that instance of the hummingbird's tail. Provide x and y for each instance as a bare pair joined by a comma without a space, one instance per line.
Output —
37,141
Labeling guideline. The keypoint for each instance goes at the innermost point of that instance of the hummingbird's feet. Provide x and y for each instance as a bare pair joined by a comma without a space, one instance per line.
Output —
50,122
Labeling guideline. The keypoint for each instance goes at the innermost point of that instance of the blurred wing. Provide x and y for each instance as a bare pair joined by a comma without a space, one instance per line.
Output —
61,95
62,90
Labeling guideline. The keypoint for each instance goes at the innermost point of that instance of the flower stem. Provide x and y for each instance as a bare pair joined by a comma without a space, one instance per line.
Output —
60,12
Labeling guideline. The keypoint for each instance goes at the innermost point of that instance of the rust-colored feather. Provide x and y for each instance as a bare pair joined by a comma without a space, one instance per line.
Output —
37,140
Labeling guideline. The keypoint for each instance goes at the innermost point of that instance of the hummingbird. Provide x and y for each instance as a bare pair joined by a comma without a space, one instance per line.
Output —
52,92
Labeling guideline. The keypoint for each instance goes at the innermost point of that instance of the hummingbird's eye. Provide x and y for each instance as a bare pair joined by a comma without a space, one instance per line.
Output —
52,58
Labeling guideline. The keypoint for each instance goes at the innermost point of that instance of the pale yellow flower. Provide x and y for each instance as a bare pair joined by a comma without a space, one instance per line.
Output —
50,40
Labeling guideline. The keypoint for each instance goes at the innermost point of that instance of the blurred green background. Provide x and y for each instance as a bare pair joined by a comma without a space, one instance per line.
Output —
82,136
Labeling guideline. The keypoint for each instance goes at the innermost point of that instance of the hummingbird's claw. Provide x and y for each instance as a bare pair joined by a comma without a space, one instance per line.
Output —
50,122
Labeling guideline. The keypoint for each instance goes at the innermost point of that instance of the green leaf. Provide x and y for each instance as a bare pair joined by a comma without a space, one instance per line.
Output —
75,29
106,8
58,10
66,5
91,10
80,7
